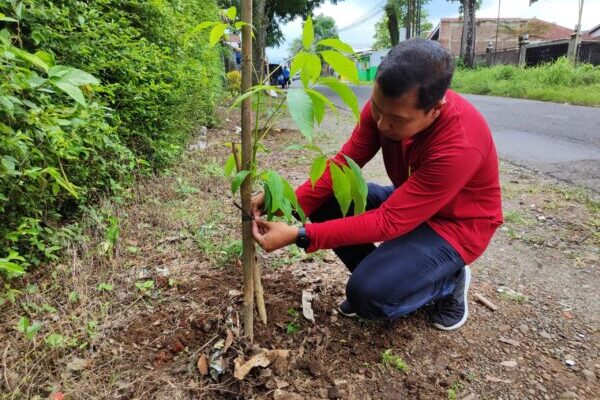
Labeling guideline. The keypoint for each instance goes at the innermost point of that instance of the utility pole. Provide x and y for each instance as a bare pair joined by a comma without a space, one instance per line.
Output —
497,27
578,33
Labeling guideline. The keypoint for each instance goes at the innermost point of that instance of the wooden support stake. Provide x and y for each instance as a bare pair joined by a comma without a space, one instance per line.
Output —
486,302
248,249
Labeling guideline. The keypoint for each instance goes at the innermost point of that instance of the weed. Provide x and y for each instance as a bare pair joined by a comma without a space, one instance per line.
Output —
514,296
212,169
292,327
145,286
514,217
390,360
453,390
105,287
28,329
185,189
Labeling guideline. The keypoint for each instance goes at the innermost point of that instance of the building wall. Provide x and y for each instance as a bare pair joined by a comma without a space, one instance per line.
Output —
508,34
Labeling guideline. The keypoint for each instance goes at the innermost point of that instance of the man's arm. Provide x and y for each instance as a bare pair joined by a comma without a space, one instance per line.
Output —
361,147
430,188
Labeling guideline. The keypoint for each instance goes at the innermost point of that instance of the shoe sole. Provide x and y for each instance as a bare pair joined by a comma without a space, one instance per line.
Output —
466,302
347,315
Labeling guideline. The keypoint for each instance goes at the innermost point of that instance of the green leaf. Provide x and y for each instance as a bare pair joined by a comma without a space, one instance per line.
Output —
10,268
336,44
319,102
32,58
341,64
317,168
46,57
55,340
359,186
253,90
73,76
345,93
216,33
23,324
105,287
7,19
71,90
290,195
238,179
341,187
33,329
273,181
230,13
301,109
229,165
201,26
308,33
238,25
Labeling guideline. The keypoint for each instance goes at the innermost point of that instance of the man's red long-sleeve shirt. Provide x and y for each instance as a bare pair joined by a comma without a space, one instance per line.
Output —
446,176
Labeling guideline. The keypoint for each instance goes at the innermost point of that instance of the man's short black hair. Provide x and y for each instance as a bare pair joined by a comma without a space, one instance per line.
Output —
416,63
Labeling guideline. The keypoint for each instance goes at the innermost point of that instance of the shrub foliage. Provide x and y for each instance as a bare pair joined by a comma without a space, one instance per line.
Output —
92,92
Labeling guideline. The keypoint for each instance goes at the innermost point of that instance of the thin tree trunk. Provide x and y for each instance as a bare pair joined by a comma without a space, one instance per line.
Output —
468,35
392,23
407,20
248,249
258,50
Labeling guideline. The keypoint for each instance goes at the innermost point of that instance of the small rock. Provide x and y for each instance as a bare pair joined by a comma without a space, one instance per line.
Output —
235,293
568,395
570,363
283,395
76,364
504,328
545,335
509,364
590,376
334,393
524,329
541,218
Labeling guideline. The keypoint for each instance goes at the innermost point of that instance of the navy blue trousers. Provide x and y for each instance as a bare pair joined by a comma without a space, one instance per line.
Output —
400,275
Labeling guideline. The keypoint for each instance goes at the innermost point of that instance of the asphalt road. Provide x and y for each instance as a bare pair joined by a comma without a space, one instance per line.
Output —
558,140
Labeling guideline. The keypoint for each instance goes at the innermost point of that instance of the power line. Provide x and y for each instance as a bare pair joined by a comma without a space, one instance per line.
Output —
373,12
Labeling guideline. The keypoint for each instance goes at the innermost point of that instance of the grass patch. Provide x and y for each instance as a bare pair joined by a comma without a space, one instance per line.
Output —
558,82
390,360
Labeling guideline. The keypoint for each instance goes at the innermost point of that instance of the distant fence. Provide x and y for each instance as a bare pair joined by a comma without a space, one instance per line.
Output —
539,53
508,56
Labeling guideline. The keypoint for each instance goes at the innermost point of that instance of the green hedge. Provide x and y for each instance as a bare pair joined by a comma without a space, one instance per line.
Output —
63,143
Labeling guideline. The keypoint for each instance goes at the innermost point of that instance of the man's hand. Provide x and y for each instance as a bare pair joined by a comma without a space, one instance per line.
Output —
273,235
257,207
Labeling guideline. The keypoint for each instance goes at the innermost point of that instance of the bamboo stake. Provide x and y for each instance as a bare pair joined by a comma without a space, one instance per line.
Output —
259,294
248,249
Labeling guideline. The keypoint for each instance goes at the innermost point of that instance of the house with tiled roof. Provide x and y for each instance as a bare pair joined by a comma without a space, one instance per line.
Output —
449,32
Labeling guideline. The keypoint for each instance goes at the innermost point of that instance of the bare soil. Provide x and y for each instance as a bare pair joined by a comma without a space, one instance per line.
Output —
181,232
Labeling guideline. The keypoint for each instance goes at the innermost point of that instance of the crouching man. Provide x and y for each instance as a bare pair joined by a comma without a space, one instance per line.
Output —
438,216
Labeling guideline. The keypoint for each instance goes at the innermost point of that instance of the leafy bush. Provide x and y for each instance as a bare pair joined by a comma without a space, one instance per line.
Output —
67,136
234,81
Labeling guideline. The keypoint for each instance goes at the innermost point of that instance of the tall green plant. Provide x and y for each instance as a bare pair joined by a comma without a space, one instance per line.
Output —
307,106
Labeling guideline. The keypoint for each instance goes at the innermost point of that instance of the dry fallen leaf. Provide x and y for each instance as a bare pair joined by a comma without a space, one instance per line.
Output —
203,365
228,341
260,360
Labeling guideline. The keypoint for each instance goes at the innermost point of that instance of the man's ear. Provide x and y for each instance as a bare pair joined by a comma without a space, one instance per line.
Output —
437,108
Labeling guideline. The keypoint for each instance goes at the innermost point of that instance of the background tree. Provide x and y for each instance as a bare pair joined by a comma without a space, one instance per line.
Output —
467,43
324,28
267,15
385,30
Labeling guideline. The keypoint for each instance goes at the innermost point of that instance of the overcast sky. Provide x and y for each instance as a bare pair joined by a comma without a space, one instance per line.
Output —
345,13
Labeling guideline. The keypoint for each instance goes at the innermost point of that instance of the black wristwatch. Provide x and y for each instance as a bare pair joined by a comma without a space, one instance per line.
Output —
302,240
